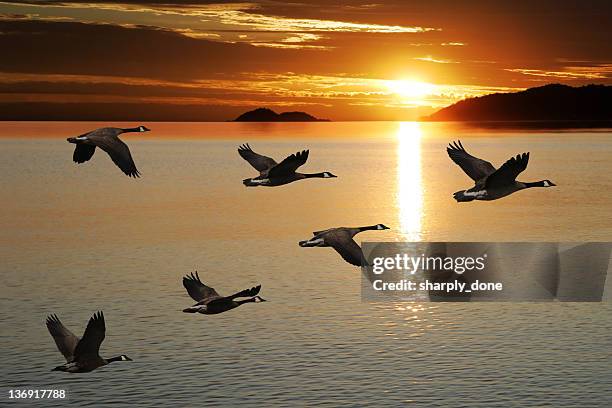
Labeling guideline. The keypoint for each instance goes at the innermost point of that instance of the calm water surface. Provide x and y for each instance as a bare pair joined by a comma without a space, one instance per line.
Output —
76,239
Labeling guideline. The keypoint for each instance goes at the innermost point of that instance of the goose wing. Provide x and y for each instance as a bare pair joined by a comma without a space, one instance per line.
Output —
83,153
508,172
119,154
247,292
474,167
289,165
259,162
348,249
65,340
89,345
315,233
197,290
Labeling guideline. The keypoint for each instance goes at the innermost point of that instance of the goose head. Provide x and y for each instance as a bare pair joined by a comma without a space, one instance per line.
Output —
381,227
327,174
143,129
548,183
122,357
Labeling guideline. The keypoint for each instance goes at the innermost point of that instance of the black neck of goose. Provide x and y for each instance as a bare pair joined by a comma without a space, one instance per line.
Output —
112,359
129,130
368,228
535,184
314,175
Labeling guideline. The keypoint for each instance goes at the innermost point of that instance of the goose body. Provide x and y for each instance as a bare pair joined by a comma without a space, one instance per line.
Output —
210,302
272,173
108,140
341,239
491,183
82,355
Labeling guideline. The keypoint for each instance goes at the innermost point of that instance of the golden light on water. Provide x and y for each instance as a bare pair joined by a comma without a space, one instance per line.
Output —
409,189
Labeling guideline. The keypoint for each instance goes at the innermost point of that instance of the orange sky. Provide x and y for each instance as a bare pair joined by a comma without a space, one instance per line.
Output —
343,60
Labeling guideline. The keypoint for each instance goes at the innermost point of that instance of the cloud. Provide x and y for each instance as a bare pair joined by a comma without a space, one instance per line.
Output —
570,73
435,60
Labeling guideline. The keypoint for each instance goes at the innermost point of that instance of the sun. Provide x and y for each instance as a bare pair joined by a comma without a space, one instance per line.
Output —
411,89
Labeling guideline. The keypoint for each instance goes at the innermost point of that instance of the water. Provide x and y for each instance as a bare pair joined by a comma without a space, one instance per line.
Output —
76,239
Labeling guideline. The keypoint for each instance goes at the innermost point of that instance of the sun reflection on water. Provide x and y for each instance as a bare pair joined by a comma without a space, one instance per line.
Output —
409,189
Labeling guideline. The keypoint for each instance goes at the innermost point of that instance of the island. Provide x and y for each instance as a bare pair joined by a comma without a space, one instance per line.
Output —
268,115
553,102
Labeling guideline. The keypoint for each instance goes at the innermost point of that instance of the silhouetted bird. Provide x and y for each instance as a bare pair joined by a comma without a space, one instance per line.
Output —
341,239
491,184
82,355
210,302
277,174
108,140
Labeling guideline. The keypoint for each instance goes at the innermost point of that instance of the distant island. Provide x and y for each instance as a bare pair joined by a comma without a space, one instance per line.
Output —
554,102
268,115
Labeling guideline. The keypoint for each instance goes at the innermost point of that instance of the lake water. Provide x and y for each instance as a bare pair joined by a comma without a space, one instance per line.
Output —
81,238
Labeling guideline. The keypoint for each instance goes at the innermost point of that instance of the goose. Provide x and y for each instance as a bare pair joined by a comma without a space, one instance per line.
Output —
272,173
81,354
210,302
341,239
108,140
491,183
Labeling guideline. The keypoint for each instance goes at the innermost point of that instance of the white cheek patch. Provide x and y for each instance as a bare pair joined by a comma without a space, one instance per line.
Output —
546,184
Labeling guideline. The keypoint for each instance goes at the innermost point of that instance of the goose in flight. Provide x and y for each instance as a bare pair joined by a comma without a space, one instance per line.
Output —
272,173
210,302
108,140
81,354
491,183
341,239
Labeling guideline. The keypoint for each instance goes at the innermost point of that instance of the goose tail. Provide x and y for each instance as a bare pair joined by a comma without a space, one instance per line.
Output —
460,196
249,182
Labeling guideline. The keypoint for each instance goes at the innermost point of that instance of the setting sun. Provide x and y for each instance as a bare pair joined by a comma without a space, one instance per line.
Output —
411,89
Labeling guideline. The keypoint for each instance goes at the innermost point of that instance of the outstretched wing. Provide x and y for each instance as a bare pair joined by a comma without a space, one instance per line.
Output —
474,167
315,233
119,154
259,162
508,172
65,340
348,249
83,153
247,292
289,165
89,345
197,290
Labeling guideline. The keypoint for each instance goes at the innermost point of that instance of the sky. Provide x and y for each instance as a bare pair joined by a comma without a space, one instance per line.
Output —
340,60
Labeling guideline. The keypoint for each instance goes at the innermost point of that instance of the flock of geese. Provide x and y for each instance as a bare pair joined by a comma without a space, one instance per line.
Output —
82,355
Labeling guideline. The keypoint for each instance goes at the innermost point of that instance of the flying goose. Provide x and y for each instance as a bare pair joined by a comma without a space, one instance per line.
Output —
277,174
210,302
341,239
491,184
81,355
108,140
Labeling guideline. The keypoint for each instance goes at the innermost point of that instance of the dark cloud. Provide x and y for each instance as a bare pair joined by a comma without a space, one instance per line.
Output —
76,48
